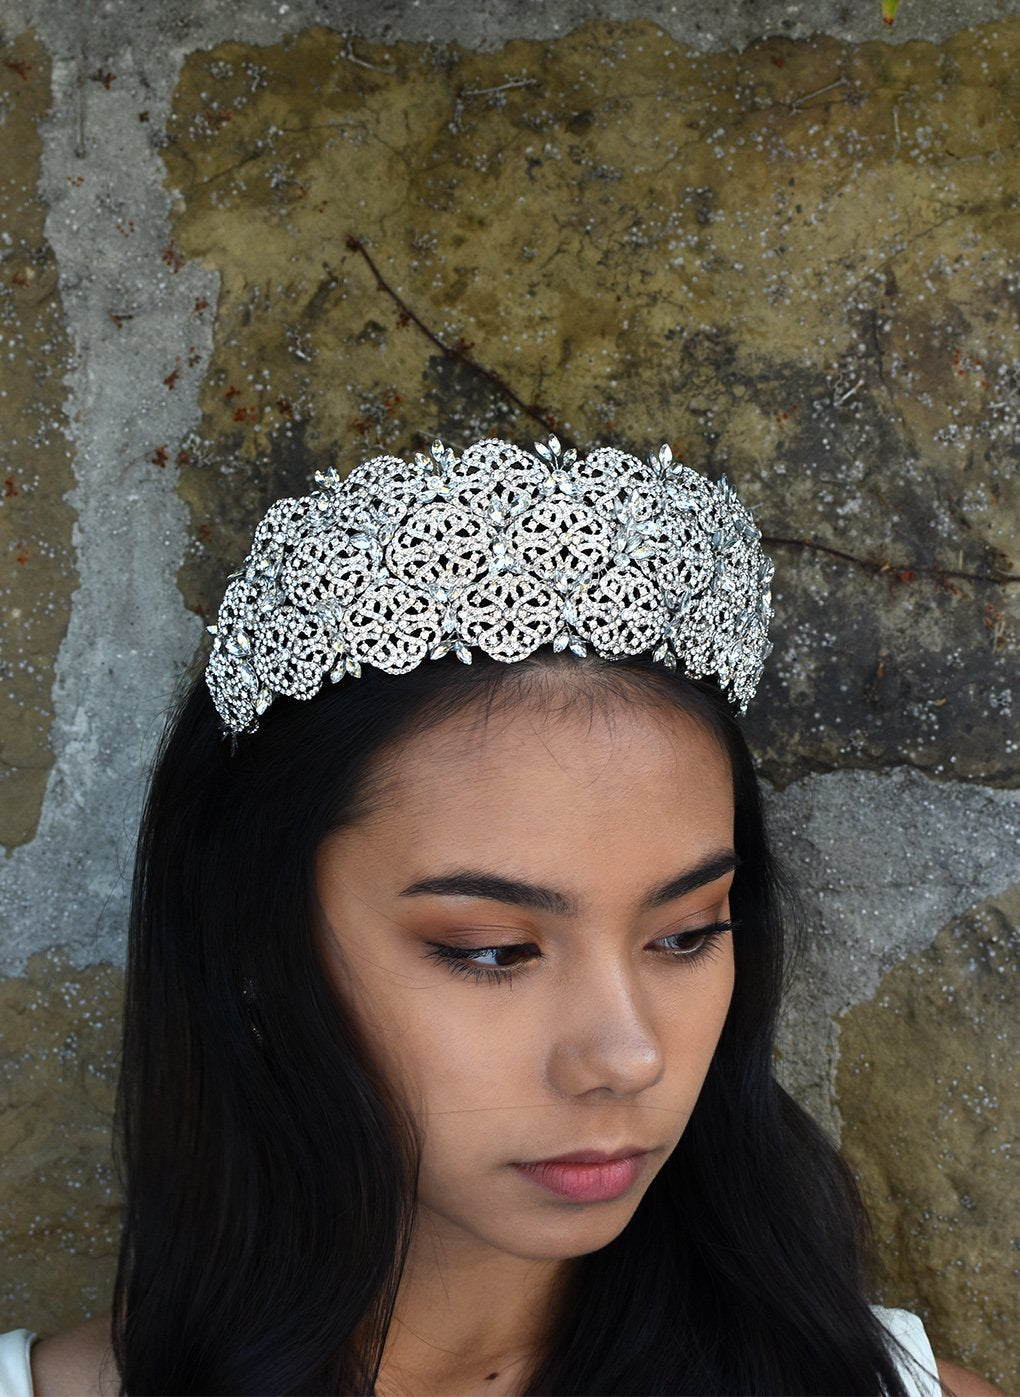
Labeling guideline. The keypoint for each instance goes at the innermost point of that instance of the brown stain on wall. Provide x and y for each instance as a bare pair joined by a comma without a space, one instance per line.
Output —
928,1082
60,1207
793,263
37,568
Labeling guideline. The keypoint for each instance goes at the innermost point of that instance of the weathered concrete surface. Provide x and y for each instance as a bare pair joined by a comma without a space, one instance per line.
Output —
35,521
168,30
928,1084
844,346
131,319
875,888
59,1204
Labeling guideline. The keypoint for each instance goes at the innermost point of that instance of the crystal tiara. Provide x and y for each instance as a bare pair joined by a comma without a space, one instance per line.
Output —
501,549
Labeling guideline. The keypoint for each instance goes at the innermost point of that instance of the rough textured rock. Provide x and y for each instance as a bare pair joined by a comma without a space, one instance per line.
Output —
873,888
38,572
59,1205
928,1083
793,262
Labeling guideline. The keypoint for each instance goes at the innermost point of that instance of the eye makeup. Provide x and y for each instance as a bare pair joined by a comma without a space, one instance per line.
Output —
689,948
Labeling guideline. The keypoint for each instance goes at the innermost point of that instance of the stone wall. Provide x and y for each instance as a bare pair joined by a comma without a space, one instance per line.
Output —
239,246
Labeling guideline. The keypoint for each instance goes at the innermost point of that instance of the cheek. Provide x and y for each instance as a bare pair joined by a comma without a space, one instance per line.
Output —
718,1002
698,1023
447,1052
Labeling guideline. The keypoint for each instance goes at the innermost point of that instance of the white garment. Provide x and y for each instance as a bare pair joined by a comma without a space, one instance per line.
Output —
919,1377
16,1371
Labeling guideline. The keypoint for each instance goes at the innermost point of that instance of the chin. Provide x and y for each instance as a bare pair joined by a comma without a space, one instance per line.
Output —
564,1233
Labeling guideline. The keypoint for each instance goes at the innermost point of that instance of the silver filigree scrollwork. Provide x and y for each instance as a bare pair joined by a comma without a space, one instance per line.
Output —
499,549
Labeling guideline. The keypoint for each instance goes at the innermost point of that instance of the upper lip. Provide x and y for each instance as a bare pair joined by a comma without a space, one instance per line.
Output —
593,1156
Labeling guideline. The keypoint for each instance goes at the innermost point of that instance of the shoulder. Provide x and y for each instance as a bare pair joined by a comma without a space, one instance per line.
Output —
76,1363
962,1382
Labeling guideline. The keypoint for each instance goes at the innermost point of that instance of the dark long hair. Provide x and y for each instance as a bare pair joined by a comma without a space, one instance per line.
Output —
270,1175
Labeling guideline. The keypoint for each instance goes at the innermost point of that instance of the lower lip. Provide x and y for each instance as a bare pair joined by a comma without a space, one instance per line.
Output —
587,1183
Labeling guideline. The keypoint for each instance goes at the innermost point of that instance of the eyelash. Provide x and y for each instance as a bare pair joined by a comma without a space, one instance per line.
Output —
455,958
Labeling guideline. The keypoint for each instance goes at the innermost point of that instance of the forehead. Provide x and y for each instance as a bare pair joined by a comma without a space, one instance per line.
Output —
545,786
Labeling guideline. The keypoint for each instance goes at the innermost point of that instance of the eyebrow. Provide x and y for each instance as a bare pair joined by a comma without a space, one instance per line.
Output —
475,882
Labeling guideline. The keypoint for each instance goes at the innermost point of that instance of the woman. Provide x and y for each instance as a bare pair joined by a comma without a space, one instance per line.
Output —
403,940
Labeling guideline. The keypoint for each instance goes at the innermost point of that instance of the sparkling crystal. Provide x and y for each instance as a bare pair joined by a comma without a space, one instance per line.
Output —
434,559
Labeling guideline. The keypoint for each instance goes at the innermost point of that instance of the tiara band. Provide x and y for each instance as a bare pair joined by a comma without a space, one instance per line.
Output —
500,549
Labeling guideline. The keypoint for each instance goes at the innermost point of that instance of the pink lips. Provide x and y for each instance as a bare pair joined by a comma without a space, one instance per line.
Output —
588,1177
593,1156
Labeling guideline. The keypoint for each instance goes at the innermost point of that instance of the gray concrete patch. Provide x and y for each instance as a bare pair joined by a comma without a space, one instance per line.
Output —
129,635
169,29
882,863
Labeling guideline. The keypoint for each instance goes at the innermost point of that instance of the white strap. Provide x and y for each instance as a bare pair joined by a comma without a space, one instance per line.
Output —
919,1377
15,1364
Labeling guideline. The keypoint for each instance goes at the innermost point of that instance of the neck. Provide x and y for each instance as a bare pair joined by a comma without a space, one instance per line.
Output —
443,1340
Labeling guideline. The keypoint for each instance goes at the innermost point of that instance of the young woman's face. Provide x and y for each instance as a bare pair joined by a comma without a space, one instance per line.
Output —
600,1002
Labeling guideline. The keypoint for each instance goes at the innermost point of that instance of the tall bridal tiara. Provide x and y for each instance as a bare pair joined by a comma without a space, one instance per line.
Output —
498,548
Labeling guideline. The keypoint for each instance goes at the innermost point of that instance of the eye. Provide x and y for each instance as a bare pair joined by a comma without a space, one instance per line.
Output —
694,945
464,960
690,947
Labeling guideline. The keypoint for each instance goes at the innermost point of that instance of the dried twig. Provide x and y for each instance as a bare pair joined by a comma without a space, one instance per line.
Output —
795,105
458,351
902,572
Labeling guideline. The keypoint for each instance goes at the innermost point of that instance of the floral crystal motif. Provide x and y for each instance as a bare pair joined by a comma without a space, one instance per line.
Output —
499,549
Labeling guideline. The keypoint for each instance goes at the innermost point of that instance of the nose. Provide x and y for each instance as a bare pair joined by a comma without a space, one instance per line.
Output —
605,1036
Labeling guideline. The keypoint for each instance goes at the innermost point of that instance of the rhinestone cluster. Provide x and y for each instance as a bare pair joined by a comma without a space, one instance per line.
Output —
502,549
